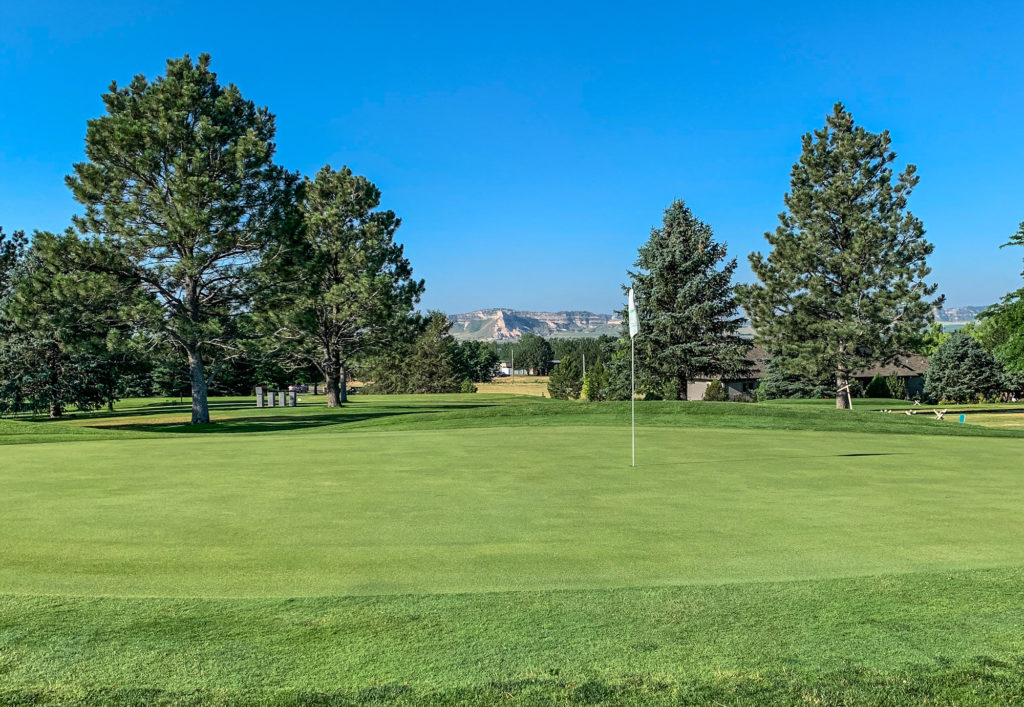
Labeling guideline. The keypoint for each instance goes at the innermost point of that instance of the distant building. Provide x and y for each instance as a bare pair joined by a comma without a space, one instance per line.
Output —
505,369
910,368
739,389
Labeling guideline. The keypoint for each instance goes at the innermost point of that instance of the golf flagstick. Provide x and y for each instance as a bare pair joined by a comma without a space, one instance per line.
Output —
634,327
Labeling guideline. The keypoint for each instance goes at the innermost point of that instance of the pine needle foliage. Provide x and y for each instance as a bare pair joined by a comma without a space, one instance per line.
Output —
844,284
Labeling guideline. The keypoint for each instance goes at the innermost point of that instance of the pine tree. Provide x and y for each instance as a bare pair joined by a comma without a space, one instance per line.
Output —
180,178
433,366
595,383
426,360
66,328
566,379
12,250
687,312
347,285
843,287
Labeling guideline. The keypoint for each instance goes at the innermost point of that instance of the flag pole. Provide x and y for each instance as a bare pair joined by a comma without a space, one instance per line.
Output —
634,329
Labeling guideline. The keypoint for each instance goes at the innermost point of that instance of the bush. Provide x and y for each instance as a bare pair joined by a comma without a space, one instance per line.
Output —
467,386
877,388
897,387
715,392
596,382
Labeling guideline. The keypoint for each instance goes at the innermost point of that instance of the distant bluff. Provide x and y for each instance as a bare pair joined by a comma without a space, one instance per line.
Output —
508,324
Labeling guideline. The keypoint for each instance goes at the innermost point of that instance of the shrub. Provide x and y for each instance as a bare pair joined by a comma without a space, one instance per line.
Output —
467,386
896,386
961,371
715,392
566,380
876,388
596,382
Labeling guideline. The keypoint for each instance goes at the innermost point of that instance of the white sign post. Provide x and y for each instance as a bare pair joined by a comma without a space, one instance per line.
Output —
634,327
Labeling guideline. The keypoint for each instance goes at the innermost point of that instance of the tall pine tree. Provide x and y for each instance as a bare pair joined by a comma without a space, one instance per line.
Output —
180,178
844,285
687,312
349,286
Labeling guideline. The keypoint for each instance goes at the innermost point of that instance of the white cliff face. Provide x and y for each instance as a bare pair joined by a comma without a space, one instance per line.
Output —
510,324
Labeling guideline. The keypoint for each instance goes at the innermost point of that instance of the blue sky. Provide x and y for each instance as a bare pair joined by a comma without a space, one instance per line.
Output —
529,147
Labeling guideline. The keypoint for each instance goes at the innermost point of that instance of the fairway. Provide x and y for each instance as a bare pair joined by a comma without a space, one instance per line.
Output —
437,547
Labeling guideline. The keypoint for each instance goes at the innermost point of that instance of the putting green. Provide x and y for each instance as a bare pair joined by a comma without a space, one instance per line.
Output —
509,508
480,549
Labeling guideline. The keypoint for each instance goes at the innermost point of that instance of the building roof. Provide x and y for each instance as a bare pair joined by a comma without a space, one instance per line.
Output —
904,366
758,359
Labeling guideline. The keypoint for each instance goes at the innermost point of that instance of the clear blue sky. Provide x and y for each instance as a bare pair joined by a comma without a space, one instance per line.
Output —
530,147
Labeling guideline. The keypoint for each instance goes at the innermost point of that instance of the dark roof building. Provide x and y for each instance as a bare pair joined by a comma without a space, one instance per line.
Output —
910,368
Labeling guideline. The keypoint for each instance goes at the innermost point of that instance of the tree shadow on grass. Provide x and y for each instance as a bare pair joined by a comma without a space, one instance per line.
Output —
308,416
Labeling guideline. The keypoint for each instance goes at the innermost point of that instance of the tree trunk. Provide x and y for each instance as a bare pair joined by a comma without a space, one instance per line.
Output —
200,405
56,410
681,388
344,384
333,382
110,405
843,401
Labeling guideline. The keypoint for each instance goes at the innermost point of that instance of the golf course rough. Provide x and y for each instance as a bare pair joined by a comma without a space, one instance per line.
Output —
466,549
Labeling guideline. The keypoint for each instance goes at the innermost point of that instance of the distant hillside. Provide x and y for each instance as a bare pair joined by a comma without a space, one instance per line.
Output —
507,324
958,315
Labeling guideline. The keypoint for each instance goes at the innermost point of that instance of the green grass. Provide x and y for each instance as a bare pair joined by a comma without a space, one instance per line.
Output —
473,549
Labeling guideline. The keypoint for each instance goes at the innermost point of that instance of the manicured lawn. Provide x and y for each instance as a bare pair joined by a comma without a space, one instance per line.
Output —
476,548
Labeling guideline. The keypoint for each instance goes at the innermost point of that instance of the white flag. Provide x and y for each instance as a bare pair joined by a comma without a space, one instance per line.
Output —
634,324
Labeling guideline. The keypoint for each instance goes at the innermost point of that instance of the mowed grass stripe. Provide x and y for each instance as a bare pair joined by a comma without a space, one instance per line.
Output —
494,509
948,638
140,418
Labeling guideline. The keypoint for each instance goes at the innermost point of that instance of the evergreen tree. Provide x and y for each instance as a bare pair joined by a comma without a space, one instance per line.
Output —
66,328
782,380
180,179
12,250
596,381
348,285
686,308
428,362
433,366
566,379
715,392
843,287
961,371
